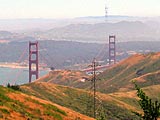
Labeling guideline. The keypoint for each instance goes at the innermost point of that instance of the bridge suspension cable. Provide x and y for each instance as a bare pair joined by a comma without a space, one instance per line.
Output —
18,61
50,59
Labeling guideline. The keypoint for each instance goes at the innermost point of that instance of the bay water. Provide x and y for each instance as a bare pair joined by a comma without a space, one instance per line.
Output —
16,76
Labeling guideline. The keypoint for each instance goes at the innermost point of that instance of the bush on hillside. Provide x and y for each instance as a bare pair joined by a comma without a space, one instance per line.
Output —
151,109
14,87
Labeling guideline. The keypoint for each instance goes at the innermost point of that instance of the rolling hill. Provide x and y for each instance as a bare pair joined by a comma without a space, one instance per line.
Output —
118,99
144,68
70,78
131,97
79,100
14,105
117,105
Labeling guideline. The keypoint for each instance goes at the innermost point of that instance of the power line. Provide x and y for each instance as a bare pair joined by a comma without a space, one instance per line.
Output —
91,103
18,61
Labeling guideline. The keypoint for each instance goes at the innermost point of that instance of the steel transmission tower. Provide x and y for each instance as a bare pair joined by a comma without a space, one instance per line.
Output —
91,101
95,106
94,86
33,60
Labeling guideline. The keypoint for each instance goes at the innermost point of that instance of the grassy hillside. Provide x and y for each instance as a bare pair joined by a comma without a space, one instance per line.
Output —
140,67
131,97
144,68
116,81
15,105
79,100
70,78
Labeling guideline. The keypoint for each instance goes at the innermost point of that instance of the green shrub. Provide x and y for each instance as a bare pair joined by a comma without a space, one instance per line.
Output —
54,115
151,109
14,87
54,108
5,111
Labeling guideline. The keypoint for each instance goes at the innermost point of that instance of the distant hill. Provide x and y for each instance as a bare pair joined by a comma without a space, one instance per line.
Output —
71,55
15,105
110,18
99,32
40,24
5,35
86,29
57,54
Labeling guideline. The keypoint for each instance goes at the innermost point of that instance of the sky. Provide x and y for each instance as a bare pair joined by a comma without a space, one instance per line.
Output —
76,8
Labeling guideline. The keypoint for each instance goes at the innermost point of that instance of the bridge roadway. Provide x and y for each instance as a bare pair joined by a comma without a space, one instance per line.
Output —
97,68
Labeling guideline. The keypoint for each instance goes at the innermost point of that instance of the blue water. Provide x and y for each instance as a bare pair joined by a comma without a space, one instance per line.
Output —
16,75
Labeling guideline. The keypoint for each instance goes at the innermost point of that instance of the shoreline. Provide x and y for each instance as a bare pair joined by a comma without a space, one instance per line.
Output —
18,66
12,65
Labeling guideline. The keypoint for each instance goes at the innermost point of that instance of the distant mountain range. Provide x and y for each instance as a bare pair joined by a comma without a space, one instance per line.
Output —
124,31
40,24
84,29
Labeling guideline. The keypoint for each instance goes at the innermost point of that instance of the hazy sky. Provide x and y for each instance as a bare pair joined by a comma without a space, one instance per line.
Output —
76,8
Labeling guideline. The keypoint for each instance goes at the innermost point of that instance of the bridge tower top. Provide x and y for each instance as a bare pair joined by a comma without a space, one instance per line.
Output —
112,49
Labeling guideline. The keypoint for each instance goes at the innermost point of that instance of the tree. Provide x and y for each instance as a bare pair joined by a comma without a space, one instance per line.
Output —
14,87
151,109
8,85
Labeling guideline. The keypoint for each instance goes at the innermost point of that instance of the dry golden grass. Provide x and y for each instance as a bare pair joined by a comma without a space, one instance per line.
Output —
62,76
21,106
